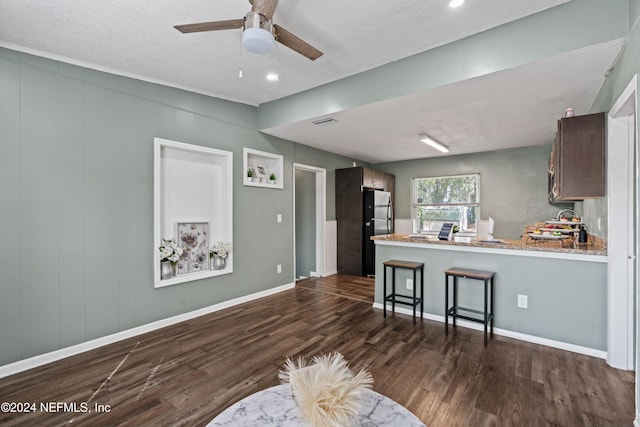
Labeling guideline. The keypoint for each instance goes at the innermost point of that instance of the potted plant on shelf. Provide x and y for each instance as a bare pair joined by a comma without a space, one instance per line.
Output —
250,174
272,178
218,255
170,253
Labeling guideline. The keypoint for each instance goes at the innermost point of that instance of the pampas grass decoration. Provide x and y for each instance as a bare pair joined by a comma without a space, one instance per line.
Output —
326,391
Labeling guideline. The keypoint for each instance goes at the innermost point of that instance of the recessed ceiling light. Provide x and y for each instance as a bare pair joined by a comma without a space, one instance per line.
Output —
272,77
456,3
433,143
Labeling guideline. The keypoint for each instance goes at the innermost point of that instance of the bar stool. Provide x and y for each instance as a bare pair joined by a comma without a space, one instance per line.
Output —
487,314
396,298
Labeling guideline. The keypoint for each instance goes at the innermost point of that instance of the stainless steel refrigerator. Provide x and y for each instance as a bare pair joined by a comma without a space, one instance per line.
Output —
378,219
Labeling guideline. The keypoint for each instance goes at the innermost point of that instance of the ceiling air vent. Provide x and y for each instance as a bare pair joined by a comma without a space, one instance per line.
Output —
325,121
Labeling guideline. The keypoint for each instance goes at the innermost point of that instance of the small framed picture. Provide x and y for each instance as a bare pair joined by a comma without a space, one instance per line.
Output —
193,237
261,173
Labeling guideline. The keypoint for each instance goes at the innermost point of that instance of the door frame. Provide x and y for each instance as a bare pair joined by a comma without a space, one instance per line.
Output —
622,213
321,215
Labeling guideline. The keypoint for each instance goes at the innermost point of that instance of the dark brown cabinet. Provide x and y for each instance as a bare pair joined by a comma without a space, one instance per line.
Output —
349,186
577,162
372,178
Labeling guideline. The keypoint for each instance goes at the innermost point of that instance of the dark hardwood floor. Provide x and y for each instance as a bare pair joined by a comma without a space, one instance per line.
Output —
353,287
184,375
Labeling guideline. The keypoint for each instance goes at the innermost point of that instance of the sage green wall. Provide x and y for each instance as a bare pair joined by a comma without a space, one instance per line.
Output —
309,156
627,65
634,11
305,223
76,204
513,184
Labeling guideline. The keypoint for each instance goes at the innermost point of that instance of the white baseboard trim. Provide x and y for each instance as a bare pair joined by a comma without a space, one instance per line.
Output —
510,334
330,273
42,359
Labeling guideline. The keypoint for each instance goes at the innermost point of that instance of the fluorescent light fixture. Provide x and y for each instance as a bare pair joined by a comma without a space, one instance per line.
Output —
272,77
456,3
324,121
433,143
257,36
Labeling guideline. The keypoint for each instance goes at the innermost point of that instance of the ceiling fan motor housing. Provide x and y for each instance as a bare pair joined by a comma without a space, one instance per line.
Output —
257,36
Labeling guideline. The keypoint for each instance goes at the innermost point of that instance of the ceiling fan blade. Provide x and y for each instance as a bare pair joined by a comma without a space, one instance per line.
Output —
295,43
230,24
265,7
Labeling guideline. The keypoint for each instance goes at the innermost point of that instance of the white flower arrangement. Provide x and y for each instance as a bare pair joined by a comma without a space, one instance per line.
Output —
327,392
220,249
170,251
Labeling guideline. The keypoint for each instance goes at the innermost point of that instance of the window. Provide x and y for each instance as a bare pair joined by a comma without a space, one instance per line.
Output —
441,199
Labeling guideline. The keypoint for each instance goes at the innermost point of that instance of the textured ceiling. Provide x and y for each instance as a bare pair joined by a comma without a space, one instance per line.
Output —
137,38
509,108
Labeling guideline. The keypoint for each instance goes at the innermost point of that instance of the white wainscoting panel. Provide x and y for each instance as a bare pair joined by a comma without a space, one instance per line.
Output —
331,247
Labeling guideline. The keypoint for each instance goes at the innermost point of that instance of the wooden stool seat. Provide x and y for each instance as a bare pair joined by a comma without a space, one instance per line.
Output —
396,298
453,311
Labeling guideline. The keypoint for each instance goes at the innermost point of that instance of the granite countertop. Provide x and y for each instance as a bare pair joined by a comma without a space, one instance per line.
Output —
523,245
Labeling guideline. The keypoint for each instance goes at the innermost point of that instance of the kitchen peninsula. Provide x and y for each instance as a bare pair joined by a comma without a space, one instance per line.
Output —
565,288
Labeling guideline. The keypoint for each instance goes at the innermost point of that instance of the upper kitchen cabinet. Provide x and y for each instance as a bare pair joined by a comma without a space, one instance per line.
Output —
372,178
390,186
577,162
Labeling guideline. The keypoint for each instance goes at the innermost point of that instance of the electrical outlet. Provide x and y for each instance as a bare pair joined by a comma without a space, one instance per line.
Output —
279,218
279,268
409,283
523,301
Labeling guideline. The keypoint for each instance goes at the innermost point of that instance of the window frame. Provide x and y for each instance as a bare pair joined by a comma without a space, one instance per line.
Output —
415,205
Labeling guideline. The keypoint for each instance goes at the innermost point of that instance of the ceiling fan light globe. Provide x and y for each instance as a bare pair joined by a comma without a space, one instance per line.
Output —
258,41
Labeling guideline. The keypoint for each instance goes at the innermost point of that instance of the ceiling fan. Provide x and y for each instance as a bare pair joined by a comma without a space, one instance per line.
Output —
259,34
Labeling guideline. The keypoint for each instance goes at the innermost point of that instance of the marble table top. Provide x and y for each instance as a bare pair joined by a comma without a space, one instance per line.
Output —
275,407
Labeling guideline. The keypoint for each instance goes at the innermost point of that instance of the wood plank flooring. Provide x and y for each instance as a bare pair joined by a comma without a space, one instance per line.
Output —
353,287
184,375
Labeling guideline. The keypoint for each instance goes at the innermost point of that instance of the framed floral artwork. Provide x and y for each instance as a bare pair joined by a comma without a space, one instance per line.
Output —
193,237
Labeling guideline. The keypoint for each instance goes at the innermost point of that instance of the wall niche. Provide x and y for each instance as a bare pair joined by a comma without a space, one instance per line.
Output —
193,207
259,167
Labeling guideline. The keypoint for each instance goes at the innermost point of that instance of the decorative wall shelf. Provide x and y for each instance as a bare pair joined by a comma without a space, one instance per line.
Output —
262,164
192,185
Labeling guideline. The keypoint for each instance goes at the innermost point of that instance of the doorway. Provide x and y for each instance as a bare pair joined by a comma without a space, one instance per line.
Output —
622,207
309,189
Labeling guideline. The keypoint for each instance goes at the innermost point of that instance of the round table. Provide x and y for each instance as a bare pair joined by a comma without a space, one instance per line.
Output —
275,407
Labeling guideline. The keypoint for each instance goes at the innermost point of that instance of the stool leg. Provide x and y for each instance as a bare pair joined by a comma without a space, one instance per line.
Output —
455,300
384,292
393,290
492,314
415,285
422,293
446,304
486,313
